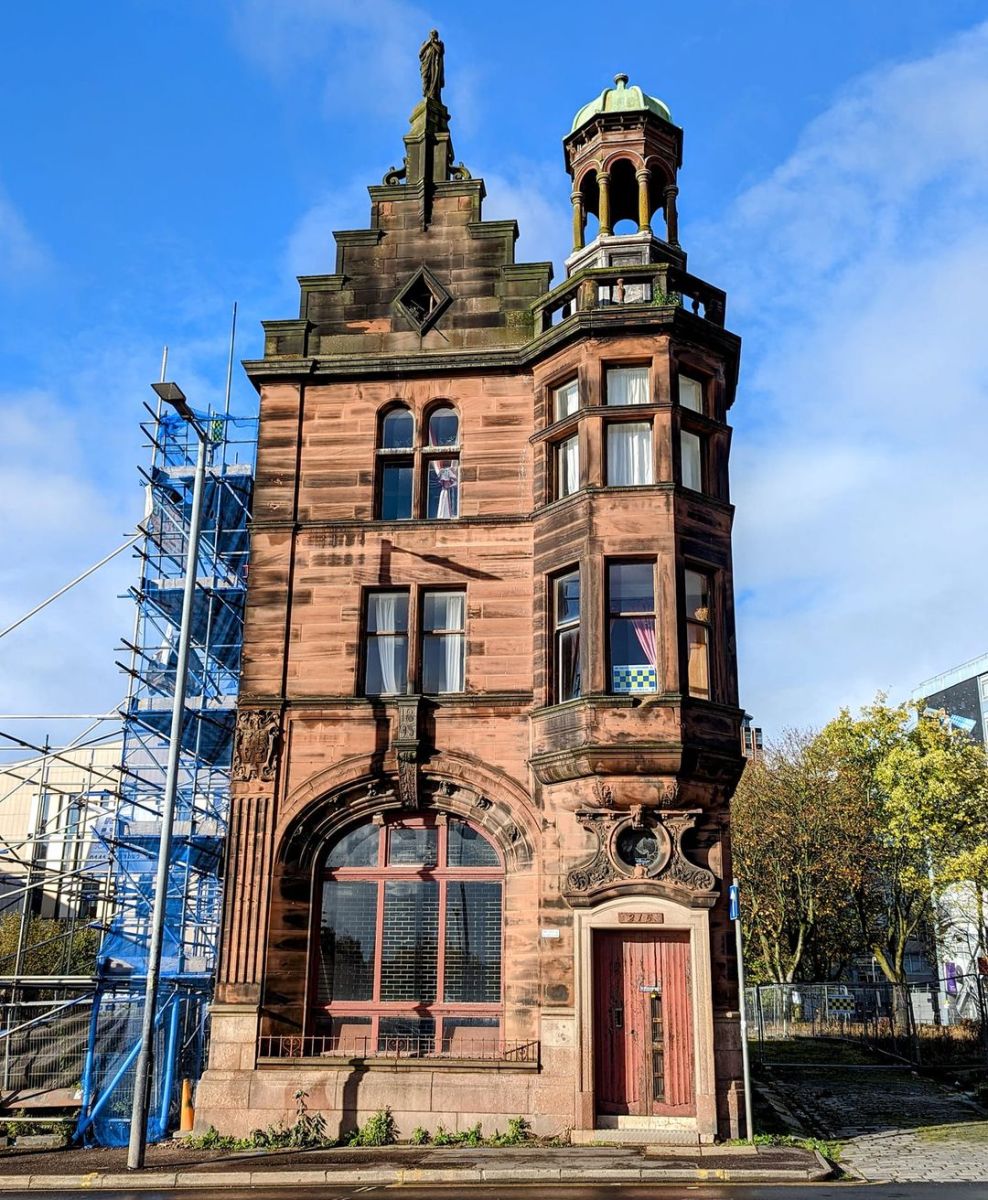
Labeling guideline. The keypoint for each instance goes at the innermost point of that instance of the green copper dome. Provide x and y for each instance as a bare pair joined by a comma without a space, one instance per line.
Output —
621,98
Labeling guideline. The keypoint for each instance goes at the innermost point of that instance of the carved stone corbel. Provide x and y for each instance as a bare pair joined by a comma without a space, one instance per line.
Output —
680,869
257,745
405,743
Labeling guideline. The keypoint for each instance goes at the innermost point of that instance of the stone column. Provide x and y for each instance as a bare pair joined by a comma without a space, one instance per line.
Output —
672,217
604,183
579,219
643,176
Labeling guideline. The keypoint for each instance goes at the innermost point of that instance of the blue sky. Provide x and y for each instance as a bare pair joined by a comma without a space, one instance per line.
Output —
160,160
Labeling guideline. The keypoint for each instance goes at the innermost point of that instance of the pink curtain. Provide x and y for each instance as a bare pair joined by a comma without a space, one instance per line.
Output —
645,633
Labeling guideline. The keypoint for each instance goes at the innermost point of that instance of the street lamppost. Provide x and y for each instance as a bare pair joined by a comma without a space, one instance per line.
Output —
171,394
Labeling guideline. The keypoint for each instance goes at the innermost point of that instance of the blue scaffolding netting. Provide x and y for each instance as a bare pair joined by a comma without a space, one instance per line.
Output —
125,837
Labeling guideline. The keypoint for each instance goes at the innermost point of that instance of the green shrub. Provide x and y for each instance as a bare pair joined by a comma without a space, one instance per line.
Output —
420,1136
378,1130
518,1131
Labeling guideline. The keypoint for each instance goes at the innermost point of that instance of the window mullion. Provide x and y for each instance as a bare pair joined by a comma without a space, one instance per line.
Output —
441,947
379,945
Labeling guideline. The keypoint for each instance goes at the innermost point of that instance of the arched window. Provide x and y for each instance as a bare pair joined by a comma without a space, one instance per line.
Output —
408,951
442,464
395,465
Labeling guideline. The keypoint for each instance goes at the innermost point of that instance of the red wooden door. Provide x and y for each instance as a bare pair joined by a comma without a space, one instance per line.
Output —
643,1025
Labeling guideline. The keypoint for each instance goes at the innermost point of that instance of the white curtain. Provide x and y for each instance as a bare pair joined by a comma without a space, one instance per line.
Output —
627,385
450,612
569,466
567,400
629,455
385,613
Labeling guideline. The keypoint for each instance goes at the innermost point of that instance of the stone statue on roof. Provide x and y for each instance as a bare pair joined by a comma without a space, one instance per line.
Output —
431,62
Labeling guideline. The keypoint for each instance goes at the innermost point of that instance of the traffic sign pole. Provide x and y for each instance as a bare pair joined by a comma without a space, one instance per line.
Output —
735,899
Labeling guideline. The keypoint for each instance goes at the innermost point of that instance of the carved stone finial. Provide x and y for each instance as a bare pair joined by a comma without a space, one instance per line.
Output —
256,749
431,63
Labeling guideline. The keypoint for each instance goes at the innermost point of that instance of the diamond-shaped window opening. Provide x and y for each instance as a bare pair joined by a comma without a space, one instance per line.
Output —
423,299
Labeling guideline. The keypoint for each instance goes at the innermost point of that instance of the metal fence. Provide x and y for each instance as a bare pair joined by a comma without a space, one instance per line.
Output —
942,1023
41,1056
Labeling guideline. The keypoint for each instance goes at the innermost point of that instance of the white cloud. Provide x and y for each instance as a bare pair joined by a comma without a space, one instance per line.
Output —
22,257
366,52
536,195
859,271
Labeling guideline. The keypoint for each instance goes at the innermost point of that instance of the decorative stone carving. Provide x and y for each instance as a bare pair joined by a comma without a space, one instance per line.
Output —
405,741
603,794
257,744
636,845
395,175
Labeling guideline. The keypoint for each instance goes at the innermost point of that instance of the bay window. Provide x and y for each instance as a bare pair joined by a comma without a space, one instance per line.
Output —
632,627
629,454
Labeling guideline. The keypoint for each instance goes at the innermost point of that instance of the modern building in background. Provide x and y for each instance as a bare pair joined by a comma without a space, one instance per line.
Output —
962,937
48,808
488,724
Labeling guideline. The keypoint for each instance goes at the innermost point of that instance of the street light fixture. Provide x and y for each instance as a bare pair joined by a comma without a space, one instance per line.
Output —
171,394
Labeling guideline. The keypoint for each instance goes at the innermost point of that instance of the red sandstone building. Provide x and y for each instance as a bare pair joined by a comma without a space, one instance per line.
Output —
488,720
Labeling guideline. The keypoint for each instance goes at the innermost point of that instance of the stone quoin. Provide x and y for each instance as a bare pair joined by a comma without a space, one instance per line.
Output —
489,725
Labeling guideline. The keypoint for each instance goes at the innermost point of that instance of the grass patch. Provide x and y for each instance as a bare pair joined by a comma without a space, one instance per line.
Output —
975,1133
826,1051
829,1149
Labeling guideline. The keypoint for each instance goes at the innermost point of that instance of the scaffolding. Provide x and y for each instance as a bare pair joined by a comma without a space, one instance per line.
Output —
112,819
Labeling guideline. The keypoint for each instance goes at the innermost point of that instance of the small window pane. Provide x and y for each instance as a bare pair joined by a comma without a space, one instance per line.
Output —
468,848
442,488
631,587
413,846
629,454
467,1037
396,491
690,459
567,467
628,385
351,1035
358,848
565,400
443,643
568,664
473,943
697,596
444,427
397,430
387,666
699,661
346,941
691,393
411,933
568,598
633,654
387,612
407,1036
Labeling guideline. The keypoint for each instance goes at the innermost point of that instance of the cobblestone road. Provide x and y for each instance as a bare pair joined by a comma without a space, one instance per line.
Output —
895,1125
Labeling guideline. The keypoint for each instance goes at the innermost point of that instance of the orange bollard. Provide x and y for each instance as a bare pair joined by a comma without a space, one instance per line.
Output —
188,1112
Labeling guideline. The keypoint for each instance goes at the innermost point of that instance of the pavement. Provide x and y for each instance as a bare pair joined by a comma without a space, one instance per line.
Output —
170,1167
895,1125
